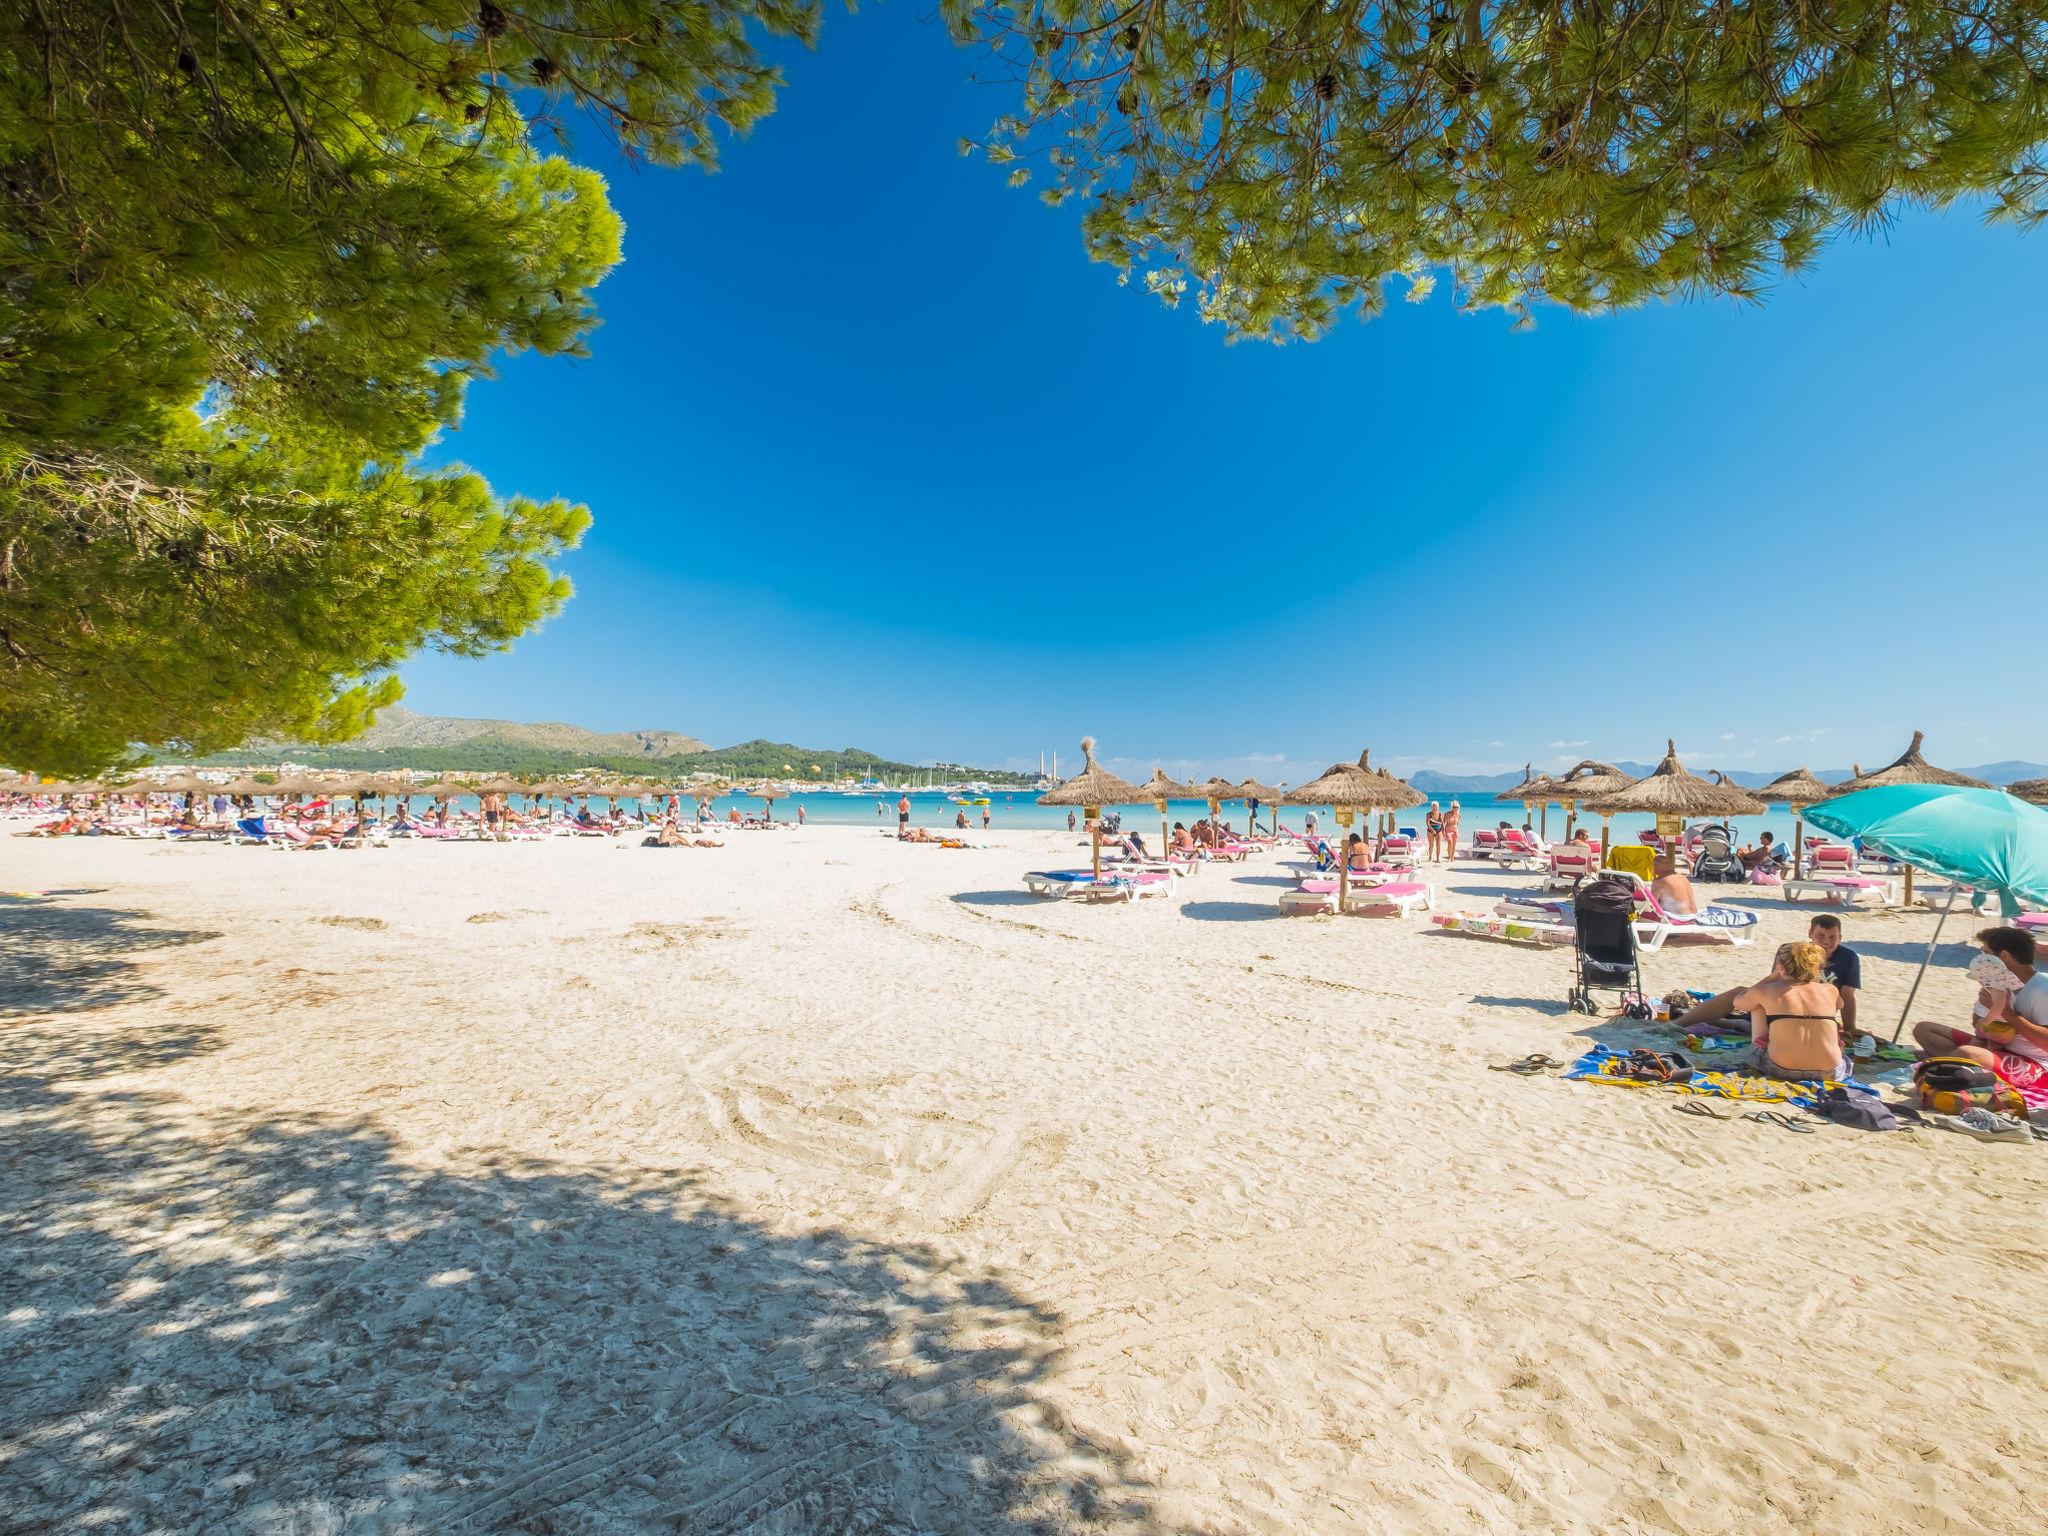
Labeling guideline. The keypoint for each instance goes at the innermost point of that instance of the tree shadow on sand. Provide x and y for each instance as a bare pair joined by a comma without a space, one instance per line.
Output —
64,959
261,1324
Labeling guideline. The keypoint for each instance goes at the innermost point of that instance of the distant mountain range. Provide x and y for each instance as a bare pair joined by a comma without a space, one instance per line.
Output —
400,729
1431,782
448,744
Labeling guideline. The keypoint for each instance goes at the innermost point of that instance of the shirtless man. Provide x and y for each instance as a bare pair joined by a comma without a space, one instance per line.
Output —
1673,890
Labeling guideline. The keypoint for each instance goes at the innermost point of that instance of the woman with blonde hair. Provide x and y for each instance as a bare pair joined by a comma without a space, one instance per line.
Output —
1794,1017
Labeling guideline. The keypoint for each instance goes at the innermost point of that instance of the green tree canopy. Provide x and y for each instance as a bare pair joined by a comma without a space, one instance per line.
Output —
251,252
1280,161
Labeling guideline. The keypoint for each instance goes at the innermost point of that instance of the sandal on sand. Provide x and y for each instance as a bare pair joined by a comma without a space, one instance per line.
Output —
1697,1107
1780,1119
1527,1065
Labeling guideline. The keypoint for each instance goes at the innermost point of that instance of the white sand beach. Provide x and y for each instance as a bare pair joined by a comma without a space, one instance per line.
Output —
822,1184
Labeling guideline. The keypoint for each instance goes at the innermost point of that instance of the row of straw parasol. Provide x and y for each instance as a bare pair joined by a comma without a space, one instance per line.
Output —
1671,792
1347,787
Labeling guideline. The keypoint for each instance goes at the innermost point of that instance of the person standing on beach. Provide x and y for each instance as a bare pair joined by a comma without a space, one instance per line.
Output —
799,813
902,815
1451,832
984,818
1070,821
1433,823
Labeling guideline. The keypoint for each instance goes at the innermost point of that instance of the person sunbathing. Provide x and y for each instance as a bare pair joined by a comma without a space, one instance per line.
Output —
672,835
1358,855
1673,890
919,835
1183,841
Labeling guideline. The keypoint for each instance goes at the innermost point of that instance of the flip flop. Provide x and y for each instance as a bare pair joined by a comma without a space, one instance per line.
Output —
1527,1065
1695,1107
1781,1120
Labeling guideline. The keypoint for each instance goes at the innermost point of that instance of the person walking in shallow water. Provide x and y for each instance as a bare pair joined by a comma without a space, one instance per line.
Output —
984,818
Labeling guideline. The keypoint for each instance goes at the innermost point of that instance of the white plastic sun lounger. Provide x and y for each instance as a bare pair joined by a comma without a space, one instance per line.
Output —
1844,890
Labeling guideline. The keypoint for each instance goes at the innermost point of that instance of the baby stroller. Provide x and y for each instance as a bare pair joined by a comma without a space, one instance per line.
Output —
1604,945
1717,859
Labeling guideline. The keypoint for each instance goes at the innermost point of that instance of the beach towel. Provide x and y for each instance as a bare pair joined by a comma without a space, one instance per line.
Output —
1605,1064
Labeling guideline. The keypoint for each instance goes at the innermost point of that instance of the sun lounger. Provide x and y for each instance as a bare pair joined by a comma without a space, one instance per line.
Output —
1396,898
1831,859
1521,850
1569,864
1492,925
1371,893
1399,851
1146,886
1113,885
1485,843
1723,925
1844,890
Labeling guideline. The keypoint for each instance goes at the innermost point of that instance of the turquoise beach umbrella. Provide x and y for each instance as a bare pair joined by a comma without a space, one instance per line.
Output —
1982,838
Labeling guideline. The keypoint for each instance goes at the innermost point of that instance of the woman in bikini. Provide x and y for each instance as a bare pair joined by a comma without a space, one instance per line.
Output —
1794,1018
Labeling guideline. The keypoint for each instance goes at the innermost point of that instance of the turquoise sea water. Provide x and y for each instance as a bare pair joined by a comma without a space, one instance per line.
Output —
1018,808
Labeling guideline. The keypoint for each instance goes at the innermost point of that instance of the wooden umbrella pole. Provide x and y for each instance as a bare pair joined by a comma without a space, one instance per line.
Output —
1907,898
1798,844
1095,837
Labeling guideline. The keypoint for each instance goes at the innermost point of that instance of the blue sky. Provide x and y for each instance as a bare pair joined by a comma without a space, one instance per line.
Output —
879,458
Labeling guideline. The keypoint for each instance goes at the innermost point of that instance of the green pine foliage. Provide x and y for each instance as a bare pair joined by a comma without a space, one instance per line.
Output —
251,254
1277,163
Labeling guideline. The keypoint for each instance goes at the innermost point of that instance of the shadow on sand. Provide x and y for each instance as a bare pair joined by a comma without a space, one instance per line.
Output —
1230,911
1003,899
275,1323
67,959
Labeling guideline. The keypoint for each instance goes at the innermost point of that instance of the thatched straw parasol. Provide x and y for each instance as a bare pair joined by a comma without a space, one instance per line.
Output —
1250,791
1399,794
1673,792
1159,789
1583,782
1535,793
1909,767
1347,788
1798,789
176,784
1091,789
2033,791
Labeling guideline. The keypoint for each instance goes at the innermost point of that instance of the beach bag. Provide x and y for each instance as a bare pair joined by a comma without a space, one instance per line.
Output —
1954,1085
1765,875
